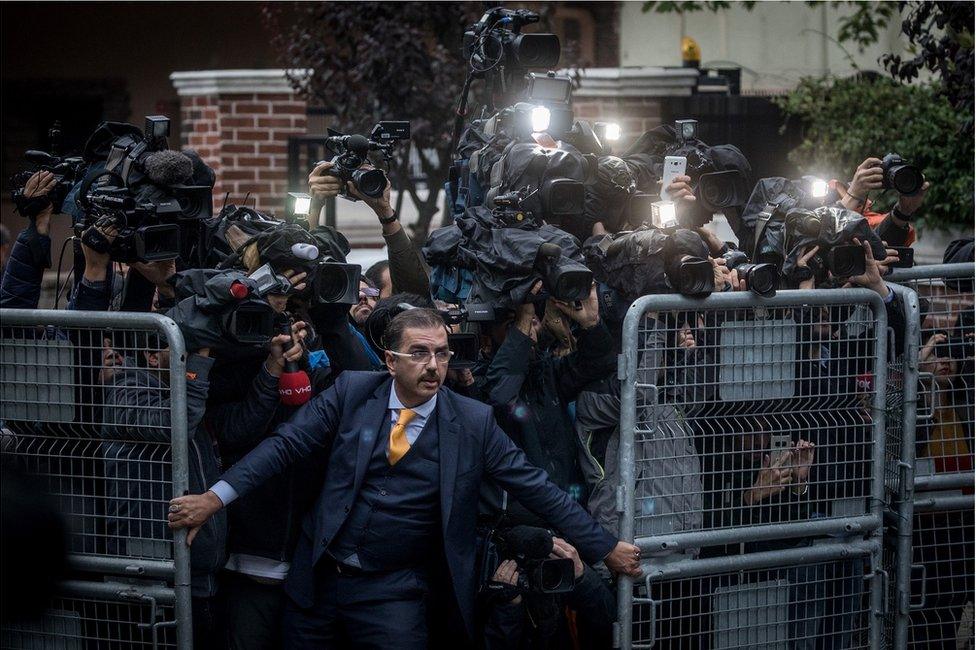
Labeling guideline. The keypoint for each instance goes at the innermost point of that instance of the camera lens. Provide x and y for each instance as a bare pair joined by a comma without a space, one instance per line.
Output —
536,50
762,279
694,278
720,190
330,283
370,182
563,196
905,179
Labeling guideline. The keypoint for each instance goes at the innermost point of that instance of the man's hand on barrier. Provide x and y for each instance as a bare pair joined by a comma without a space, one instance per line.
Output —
771,480
192,511
563,549
624,559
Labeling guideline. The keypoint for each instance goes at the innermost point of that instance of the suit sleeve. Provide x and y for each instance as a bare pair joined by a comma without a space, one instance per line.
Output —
508,467
311,429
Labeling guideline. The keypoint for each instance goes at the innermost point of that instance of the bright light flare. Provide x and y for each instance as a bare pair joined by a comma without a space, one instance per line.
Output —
540,118
818,188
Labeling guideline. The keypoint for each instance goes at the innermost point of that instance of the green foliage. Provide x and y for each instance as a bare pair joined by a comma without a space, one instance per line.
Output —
848,120
862,26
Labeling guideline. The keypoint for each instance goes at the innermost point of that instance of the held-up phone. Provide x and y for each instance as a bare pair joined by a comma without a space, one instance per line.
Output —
780,444
674,166
906,257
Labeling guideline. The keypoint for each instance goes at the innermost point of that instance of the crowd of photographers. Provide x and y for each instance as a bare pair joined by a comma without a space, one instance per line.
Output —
553,236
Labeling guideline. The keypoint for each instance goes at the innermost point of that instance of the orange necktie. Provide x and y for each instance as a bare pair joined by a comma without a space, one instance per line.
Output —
399,445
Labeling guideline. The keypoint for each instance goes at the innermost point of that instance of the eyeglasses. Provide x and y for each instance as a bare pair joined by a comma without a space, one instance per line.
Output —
423,356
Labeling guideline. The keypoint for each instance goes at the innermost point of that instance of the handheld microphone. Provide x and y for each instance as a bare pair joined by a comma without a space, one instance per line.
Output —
294,387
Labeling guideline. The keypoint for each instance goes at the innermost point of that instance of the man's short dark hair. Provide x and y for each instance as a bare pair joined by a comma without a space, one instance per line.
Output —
410,319
375,273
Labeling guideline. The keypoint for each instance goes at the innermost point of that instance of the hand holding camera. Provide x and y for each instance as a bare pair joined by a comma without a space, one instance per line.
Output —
322,184
96,244
37,188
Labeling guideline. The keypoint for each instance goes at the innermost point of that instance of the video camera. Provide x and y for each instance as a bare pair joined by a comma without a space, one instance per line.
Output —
67,171
228,308
144,191
496,42
530,547
352,152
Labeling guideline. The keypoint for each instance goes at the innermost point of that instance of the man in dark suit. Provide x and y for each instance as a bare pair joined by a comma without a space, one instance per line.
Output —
406,460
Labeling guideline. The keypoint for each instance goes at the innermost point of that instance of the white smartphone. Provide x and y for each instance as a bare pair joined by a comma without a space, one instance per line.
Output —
779,446
674,166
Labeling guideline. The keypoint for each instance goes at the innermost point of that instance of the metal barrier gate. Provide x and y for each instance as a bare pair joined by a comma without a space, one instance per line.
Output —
938,590
91,407
752,455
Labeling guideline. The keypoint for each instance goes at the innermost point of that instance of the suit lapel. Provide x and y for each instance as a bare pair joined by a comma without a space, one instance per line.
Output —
448,432
371,415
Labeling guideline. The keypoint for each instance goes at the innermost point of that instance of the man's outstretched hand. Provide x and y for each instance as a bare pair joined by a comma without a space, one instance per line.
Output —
624,559
192,511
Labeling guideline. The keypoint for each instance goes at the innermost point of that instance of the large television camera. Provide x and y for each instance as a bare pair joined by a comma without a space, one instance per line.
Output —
146,192
496,44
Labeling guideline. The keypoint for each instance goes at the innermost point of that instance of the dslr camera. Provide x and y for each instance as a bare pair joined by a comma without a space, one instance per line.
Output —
67,171
900,175
352,152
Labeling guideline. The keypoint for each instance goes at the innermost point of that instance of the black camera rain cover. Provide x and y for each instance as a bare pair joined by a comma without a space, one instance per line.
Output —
776,190
503,258
100,142
606,197
442,245
527,164
630,262
202,295
838,227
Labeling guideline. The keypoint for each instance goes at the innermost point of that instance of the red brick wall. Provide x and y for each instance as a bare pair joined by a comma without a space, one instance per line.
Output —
244,137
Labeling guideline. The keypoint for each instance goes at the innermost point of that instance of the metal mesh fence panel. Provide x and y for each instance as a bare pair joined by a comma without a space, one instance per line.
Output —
99,616
754,422
941,591
788,599
944,435
93,408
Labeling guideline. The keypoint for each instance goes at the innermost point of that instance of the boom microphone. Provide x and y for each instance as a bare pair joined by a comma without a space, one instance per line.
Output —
294,387
168,168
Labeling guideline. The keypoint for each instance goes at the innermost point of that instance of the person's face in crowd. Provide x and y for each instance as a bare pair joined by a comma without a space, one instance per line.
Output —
418,382
945,369
367,301
386,285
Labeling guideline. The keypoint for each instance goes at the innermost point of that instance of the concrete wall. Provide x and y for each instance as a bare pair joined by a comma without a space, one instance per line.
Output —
775,44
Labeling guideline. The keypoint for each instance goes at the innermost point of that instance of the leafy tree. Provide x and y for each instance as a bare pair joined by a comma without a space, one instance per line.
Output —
847,120
941,38
862,26
382,61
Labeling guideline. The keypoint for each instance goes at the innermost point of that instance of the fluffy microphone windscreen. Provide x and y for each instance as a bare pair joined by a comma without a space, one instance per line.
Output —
294,388
168,167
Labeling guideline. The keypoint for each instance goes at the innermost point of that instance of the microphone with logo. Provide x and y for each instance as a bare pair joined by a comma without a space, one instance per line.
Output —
294,387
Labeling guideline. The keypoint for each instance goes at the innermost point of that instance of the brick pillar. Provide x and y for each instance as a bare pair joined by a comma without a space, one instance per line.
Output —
239,121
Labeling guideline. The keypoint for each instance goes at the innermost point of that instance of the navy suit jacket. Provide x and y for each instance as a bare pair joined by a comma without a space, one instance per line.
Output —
345,420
